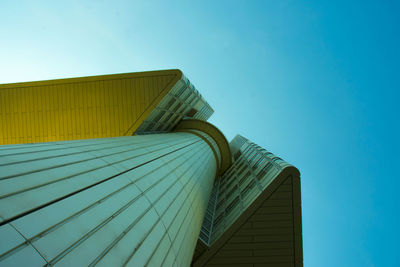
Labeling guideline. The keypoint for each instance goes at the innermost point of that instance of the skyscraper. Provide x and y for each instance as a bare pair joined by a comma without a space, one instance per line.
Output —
125,170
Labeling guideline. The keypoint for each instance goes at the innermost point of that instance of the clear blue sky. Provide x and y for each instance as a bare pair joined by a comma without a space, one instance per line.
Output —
315,82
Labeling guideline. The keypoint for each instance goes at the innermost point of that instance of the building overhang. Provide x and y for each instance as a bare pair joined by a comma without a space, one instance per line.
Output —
206,254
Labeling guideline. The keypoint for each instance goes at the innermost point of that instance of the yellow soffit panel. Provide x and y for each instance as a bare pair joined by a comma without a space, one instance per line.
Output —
80,108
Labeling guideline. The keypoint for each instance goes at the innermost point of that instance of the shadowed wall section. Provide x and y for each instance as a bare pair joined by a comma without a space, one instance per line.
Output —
254,214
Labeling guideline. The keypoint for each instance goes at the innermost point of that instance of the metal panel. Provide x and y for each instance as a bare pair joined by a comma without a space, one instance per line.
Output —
9,238
255,220
79,108
24,256
127,200
182,101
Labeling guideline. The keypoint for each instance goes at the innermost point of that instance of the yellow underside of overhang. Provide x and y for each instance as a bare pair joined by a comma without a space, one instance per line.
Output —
80,108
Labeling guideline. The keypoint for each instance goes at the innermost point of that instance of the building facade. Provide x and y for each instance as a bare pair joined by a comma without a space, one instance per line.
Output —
125,170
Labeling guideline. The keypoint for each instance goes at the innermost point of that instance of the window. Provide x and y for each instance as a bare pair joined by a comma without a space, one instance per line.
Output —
244,178
218,220
150,126
178,105
230,183
237,155
203,236
232,204
246,190
277,159
168,117
159,115
220,204
170,103
261,160
181,90
191,113
231,192
264,171
242,170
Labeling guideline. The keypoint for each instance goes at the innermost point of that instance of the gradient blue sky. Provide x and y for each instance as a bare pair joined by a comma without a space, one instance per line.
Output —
315,82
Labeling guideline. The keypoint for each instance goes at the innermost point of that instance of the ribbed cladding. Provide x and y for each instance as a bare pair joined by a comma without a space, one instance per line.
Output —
207,225
80,108
251,172
182,101
213,144
257,217
192,125
127,200
267,235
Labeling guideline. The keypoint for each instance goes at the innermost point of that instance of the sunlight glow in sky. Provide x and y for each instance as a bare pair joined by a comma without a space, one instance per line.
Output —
315,82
